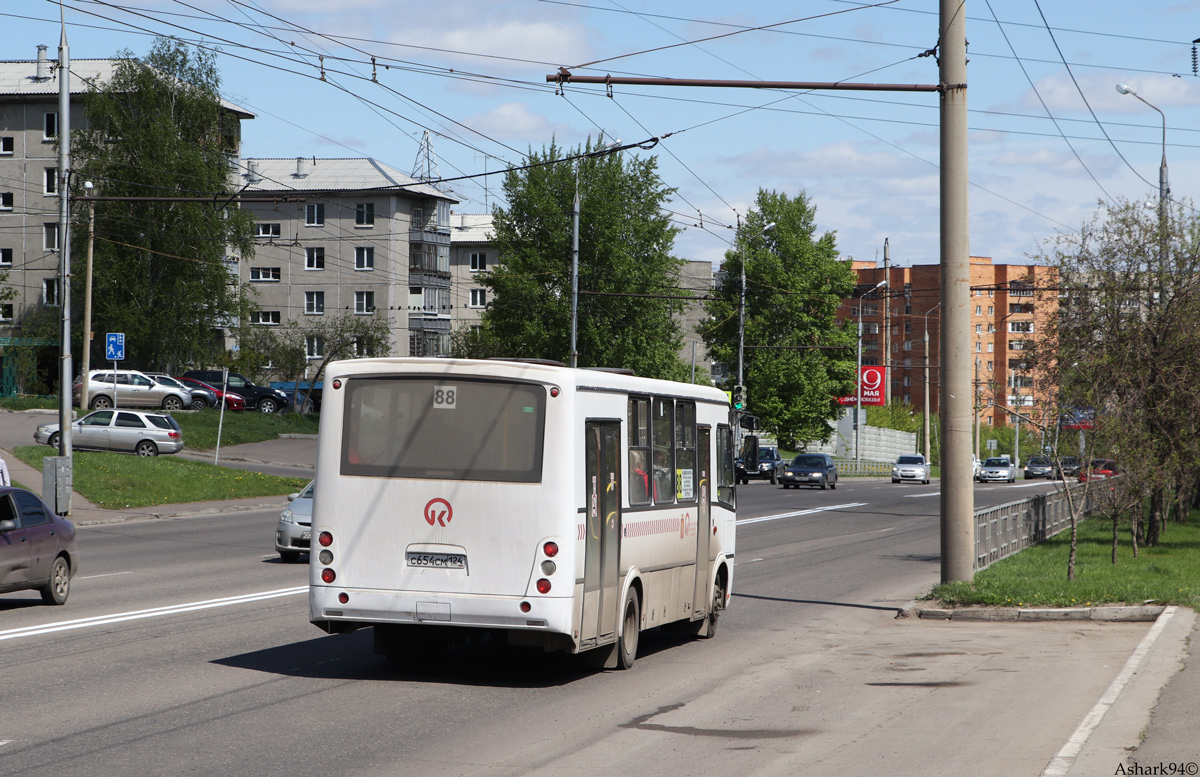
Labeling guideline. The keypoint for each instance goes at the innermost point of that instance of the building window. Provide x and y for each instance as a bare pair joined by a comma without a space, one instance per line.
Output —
1017,345
50,180
870,329
1020,308
6,257
991,310
265,274
478,262
364,258
314,258
978,346
979,310
364,302
6,311
870,361
1020,326
6,146
6,200
50,127
979,329
991,366
990,347
908,327
1018,364
991,328
266,230
265,317
50,237
314,346
314,303
478,298
364,214
1020,289
314,215
50,292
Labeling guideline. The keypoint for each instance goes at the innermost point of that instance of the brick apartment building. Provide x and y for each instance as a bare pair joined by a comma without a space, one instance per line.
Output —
1006,315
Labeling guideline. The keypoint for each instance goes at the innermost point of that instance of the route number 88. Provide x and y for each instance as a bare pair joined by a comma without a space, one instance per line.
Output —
444,397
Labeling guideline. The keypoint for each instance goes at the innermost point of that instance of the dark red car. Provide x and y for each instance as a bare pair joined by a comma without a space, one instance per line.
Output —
1099,469
37,547
232,401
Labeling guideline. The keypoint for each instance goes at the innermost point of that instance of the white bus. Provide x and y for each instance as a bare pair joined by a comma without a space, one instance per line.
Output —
567,509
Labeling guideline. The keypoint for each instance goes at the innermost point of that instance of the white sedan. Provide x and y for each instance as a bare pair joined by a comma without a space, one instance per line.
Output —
998,470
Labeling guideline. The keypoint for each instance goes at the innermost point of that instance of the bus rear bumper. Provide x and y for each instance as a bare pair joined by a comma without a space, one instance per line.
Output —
369,607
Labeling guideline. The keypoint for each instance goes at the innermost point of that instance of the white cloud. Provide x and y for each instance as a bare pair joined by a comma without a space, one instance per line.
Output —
514,121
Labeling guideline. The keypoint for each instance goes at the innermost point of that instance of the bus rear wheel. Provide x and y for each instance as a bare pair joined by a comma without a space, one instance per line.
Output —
632,621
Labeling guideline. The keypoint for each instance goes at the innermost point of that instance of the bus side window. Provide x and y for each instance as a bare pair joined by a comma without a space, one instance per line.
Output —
664,451
685,451
725,475
639,451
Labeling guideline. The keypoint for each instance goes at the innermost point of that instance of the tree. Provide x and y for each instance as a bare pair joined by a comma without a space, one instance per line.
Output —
343,336
798,358
625,242
1124,345
159,129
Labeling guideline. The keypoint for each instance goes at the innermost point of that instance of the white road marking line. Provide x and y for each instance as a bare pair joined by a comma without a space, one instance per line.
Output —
890,528
798,513
1061,764
918,496
104,620
107,574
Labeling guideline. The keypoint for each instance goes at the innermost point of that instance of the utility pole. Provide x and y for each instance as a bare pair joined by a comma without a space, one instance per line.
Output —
887,325
62,469
958,495
87,306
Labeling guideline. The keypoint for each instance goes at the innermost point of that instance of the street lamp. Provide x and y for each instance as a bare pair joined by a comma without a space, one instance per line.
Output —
742,308
575,250
1164,188
928,453
858,376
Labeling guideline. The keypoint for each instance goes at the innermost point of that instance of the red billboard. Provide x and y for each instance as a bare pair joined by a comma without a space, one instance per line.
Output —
870,386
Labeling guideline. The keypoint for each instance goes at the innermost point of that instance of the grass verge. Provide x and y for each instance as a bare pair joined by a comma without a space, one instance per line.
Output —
200,429
29,403
116,480
1164,574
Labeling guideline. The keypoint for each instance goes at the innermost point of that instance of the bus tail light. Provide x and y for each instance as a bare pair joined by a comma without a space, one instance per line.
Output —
543,585
344,597
328,575
526,606
550,549
325,538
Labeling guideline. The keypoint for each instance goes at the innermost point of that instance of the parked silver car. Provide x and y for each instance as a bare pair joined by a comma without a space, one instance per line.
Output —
998,469
130,388
201,397
294,533
130,431
910,467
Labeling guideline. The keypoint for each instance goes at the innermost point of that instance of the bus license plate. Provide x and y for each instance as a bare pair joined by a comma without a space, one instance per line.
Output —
437,560
306,535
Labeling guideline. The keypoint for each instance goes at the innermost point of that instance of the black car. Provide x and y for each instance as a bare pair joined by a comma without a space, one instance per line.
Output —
770,466
1067,467
811,469
262,398
1039,467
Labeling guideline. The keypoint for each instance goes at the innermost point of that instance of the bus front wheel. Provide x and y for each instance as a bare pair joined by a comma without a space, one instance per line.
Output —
632,621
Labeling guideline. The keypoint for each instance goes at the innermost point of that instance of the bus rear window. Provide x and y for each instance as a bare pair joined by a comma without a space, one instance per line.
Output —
443,428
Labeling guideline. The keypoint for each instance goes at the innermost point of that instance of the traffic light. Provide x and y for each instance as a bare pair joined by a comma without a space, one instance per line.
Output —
739,397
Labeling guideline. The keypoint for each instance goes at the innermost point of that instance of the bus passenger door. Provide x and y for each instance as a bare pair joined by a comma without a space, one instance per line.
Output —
602,538
700,602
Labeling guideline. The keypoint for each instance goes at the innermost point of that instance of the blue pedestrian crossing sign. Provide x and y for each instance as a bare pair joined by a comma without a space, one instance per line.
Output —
114,346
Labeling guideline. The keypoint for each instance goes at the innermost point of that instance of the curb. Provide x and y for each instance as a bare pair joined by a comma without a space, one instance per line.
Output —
126,517
1138,613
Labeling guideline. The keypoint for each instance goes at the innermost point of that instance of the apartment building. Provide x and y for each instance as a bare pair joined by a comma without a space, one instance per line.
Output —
1006,316
367,240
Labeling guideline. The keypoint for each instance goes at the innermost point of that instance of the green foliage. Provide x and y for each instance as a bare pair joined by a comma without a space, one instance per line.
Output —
1035,576
795,283
159,129
625,243
116,480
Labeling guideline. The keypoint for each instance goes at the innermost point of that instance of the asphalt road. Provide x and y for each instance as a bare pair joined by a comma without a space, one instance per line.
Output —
200,660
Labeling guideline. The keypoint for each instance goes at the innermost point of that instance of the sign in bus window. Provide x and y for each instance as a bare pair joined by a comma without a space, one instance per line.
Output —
494,433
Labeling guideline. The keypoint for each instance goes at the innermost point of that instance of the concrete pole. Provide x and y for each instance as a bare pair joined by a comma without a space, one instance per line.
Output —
928,453
858,392
87,307
887,325
957,495
741,308
65,403
575,270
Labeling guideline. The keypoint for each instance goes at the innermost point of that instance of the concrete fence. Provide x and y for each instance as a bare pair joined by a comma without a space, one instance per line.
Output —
1003,530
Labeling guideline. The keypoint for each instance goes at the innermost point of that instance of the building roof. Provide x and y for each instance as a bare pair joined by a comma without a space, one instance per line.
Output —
470,227
331,175
19,78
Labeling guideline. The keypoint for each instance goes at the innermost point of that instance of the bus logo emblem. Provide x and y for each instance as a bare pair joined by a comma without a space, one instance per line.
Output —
432,513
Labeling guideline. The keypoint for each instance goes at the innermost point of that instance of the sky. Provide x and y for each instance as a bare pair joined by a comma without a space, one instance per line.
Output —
1050,137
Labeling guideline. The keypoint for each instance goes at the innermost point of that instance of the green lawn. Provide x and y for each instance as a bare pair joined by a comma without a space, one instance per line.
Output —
1168,573
116,480
200,428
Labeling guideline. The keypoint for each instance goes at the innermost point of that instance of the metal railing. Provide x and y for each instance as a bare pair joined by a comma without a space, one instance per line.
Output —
852,468
1003,530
